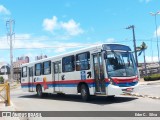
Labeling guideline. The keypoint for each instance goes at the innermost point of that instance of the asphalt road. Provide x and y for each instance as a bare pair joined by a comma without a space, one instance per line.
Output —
152,89
24,101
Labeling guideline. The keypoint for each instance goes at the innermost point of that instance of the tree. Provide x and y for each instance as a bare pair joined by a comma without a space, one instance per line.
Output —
1,80
141,49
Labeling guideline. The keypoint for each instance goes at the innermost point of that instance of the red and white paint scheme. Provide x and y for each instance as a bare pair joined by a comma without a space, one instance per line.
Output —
106,69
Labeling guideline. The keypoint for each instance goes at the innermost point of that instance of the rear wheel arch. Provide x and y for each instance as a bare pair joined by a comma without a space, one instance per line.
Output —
39,90
79,86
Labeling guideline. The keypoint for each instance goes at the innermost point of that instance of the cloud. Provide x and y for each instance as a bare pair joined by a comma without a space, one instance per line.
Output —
110,40
146,1
29,42
70,28
4,10
50,24
149,59
30,45
158,32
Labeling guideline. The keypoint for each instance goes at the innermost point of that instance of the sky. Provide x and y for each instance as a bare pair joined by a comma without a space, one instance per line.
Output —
52,27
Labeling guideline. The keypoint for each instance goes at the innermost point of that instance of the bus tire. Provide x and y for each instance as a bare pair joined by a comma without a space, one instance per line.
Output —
85,92
39,91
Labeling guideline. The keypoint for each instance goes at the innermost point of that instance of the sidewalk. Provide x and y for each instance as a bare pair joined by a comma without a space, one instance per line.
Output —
7,108
149,89
3,107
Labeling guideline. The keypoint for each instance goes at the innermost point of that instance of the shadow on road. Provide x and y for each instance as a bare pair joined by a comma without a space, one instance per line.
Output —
77,98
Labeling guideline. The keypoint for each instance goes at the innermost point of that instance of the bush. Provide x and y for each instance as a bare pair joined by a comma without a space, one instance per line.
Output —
1,80
152,77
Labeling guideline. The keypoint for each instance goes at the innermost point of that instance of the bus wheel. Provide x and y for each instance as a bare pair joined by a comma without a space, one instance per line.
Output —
85,92
39,91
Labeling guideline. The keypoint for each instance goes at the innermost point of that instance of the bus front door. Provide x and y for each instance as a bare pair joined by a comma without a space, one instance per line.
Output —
31,79
57,77
100,87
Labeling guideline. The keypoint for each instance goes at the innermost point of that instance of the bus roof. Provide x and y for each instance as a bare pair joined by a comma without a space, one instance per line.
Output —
76,51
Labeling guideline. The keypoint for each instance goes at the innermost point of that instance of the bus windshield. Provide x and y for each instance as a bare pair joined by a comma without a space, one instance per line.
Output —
120,64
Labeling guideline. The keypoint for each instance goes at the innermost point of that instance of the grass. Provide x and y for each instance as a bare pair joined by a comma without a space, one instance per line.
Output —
152,77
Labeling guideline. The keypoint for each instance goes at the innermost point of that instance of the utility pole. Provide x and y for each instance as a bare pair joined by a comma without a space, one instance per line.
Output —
134,43
10,32
155,16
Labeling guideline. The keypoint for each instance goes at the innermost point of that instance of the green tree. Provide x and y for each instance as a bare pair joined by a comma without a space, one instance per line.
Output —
141,49
1,80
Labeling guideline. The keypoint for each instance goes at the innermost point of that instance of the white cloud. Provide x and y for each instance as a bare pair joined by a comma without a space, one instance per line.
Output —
61,49
146,1
158,32
50,24
32,46
151,59
27,41
70,28
4,10
110,40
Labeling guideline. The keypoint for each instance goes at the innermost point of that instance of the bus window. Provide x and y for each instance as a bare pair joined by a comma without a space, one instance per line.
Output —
68,64
47,68
38,68
24,71
57,67
30,71
82,61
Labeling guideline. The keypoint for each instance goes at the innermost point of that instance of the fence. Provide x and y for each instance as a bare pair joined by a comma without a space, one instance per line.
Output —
5,93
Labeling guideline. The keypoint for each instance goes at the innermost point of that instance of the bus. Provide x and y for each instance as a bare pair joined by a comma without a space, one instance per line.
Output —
105,69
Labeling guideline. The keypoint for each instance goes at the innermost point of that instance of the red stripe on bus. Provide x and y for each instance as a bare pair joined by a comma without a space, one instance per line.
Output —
62,82
126,80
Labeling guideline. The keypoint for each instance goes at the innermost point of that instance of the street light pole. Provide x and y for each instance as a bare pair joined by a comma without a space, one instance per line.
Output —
155,16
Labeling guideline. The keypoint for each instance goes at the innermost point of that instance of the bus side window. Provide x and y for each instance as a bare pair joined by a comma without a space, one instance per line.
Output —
83,61
57,67
68,64
38,69
47,68
24,71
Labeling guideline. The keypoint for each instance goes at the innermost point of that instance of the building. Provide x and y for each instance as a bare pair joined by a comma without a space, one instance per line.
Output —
16,66
4,70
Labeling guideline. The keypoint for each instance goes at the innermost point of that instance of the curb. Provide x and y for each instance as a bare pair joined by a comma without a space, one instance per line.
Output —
144,96
149,83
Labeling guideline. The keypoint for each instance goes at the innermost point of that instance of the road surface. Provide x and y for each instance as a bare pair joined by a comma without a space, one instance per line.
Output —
24,101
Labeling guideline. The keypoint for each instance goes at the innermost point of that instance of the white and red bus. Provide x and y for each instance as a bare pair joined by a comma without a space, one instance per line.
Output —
106,69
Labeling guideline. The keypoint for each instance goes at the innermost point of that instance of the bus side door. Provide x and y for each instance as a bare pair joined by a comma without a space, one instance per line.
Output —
31,79
57,76
99,73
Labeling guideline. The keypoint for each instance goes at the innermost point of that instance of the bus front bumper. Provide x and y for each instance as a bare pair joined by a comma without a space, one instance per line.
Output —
116,90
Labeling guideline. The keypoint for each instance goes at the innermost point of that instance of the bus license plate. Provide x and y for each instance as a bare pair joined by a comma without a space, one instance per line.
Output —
129,89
